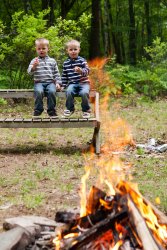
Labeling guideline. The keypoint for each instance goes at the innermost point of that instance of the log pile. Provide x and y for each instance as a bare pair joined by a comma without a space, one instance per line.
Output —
113,222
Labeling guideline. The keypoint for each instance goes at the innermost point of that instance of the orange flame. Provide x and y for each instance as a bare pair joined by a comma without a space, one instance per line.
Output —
109,171
159,230
109,168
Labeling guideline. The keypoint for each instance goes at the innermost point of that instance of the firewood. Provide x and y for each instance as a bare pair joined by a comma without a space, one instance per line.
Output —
162,218
147,239
126,188
96,230
93,201
84,222
66,217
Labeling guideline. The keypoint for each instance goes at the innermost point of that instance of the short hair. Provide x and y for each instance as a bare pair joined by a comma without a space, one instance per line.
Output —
72,42
41,40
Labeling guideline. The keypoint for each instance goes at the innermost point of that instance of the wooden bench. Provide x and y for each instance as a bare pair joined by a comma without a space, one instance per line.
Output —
53,122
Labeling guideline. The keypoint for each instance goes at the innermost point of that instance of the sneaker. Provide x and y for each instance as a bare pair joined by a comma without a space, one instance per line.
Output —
68,113
53,115
36,114
86,115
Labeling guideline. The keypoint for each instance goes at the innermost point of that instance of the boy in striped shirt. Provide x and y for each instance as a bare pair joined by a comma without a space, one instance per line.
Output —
75,78
46,76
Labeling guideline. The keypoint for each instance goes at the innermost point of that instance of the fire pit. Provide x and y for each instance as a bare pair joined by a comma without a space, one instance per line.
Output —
123,221
113,214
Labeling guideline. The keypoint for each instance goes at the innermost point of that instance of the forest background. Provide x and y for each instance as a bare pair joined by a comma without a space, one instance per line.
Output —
129,39
131,34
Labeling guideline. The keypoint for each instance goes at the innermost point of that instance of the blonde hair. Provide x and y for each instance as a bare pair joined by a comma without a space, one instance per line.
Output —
41,40
72,42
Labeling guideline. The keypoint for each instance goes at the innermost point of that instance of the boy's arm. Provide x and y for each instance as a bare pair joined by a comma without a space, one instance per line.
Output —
85,69
32,66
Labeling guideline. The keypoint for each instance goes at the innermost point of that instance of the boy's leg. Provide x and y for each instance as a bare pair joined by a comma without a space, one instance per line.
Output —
39,94
70,93
50,90
84,93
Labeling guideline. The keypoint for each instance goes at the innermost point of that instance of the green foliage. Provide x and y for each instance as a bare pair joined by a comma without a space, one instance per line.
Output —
19,48
124,77
148,77
3,101
3,45
154,70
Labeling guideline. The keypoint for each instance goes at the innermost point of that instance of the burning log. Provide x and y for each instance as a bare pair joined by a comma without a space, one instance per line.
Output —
115,221
162,219
148,241
125,188
96,230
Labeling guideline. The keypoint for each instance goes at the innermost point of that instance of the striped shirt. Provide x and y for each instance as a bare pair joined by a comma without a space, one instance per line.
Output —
70,76
47,70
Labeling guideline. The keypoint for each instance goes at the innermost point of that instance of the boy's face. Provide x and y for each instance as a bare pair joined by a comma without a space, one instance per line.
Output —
42,49
73,51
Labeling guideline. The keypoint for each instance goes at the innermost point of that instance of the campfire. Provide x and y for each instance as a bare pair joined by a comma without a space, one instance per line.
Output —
123,221
113,213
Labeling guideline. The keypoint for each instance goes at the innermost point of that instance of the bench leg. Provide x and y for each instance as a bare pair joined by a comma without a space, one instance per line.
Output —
96,139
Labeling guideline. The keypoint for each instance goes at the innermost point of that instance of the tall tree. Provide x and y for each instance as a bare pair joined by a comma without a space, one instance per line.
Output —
27,5
66,6
49,4
132,33
94,49
148,24
106,28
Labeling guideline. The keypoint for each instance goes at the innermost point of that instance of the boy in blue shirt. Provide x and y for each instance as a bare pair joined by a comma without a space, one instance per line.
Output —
75,78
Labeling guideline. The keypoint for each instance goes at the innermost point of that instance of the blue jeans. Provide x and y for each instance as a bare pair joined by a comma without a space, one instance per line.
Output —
77,89
48,90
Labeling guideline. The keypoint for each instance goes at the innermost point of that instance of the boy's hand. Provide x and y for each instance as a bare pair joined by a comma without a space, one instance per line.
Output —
58,86
78,70
35,64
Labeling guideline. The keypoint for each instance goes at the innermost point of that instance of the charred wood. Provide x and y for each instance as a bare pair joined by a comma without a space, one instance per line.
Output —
139,224
96,230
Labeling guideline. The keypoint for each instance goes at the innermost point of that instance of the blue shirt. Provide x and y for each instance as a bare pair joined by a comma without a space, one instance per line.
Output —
69,76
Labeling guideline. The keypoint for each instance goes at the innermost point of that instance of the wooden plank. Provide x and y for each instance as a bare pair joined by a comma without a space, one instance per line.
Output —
97,107
28,120
18,119
37,119
29,93
39,124
46,119
73,119
9,120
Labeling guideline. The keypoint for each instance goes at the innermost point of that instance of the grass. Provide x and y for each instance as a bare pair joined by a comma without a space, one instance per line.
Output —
147,119
41,169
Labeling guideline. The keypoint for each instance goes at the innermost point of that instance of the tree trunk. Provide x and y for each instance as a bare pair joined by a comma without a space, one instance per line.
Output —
148,25
94,50
106,29
49,4
132,33
66,6
117,35
27,6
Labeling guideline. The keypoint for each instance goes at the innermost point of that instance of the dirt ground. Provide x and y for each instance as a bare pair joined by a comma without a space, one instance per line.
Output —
41,169
10,163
